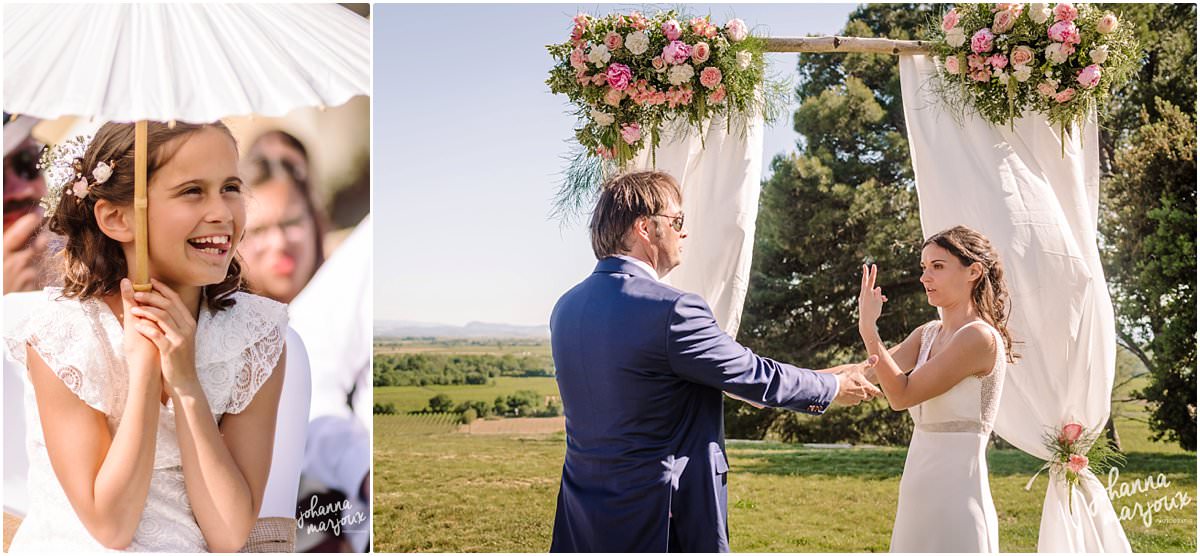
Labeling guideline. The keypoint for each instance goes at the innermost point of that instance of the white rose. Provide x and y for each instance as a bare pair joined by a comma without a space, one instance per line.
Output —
1055,54
637,42
602,118
744,59
1022,73
956,37
599,55
1000,76
102,172
1099,54
1039,13
680,74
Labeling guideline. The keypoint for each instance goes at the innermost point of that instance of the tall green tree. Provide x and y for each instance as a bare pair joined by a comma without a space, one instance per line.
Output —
847,197
1148,212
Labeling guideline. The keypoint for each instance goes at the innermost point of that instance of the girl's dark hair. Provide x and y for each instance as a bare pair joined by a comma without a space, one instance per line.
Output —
93,264
990,293
259,169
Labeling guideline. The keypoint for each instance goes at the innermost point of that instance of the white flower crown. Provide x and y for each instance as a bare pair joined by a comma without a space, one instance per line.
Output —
62,165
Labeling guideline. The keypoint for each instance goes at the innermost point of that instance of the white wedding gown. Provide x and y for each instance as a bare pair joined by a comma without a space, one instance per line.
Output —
236,352
945,503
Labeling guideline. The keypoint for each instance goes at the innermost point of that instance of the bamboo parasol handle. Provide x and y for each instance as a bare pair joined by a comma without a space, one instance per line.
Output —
141,267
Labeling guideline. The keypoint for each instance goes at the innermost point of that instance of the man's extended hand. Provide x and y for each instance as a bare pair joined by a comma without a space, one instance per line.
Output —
853,386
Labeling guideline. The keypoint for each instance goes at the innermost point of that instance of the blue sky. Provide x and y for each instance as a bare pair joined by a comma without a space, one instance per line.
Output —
468,143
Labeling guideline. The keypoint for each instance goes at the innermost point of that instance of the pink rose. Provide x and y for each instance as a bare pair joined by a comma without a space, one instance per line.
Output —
583,78
1003,22
981,76
976,62
672,30
1046,88
981,41
736,30
613,97
578,59
1021,55
613,41
80,188
1065,95
710,77
1077,463
700,52
998,61
1071,433
952,65
619,76
950,20
717,96
631,133
638,21
658,63
1089,77
676,52
1107,24
1065,12
1064,31
599,79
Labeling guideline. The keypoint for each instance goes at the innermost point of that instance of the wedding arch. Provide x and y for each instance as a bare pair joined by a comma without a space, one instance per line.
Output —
1031,185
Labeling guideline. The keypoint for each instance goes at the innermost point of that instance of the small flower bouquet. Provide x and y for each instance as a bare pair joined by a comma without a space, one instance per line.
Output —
1004,59
628,74
1074,449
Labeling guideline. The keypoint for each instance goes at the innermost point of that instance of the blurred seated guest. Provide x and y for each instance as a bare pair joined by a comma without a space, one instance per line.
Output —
24,188
283,247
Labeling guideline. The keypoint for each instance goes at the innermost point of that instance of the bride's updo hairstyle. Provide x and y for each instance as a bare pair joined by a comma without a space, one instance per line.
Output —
93,264
989,293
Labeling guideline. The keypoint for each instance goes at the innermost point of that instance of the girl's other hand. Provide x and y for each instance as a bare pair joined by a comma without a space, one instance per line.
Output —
167,322
141,355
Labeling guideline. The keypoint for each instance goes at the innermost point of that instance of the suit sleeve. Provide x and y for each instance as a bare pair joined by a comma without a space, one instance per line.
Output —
699,351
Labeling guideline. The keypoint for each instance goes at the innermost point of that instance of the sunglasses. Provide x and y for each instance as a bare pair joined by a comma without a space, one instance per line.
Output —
676,221
24,163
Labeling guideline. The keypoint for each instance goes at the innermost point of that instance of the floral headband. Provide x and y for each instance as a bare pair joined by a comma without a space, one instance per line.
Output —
63,167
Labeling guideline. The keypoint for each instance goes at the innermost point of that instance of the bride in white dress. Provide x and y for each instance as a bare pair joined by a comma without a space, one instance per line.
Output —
957,369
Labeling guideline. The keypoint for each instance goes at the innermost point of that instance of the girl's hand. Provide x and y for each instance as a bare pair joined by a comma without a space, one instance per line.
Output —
870,299
141,355
166,321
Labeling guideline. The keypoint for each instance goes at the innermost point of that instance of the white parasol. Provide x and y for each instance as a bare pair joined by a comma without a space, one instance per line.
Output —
194,63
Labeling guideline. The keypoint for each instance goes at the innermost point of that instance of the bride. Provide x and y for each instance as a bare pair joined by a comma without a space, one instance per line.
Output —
957,369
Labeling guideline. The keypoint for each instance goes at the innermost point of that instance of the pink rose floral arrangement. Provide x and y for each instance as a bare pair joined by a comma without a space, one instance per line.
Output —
1077,453
627,74
1060,60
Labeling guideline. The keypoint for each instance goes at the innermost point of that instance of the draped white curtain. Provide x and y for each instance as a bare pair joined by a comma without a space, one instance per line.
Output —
1037,201
720,174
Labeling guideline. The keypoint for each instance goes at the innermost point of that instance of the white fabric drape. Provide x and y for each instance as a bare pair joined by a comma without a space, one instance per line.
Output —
720,175
1038,204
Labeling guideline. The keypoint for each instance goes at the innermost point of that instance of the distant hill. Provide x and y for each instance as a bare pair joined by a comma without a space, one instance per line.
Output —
402,329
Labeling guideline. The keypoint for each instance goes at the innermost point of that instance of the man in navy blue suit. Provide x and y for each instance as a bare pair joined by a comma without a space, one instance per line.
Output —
641,368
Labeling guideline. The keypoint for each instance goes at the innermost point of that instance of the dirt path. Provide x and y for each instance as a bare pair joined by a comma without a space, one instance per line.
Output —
519,425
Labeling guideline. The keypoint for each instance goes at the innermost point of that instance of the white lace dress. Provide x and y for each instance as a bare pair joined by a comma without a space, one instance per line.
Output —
945,503
236,351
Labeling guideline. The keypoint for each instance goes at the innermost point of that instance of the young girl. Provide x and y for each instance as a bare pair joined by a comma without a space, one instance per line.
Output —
958,366
151,415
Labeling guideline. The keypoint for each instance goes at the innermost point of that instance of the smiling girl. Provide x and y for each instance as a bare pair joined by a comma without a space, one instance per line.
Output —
948,374
151,414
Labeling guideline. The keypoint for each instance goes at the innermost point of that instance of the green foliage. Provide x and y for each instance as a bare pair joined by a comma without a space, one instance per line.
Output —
440,403
426,369
1148,213
846,198
384,409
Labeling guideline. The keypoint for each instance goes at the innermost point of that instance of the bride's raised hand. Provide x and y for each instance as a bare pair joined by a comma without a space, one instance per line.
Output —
870,298
167,322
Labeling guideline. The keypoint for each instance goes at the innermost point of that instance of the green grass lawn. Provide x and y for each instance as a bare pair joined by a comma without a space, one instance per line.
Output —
451,492
413,398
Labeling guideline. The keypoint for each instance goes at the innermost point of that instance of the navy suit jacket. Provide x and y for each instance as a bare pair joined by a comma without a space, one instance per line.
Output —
641,367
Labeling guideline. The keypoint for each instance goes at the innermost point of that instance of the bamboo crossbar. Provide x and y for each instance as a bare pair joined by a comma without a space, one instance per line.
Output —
845,44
